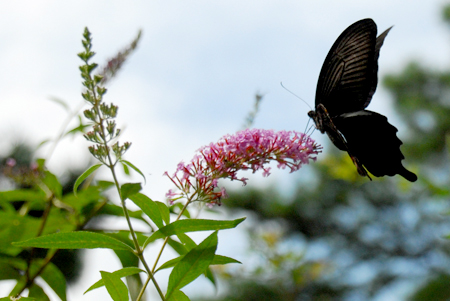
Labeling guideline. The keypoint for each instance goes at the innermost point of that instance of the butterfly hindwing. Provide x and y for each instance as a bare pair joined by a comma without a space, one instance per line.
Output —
373,140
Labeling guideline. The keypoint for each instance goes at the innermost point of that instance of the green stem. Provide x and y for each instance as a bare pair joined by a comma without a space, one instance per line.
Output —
167,238
138,250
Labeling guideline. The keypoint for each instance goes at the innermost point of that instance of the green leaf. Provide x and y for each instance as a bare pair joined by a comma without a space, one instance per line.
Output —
169,264
115,210
179,206
192,265
83,177
104,185
134,167
220,259
178,246
178,296
60,102
126,170
116,288
210,276
6,206
217,260
79,128
21,299
55,279
119,273
8,272
22,195
37,292
74,240
128,189
133,282
53,184
165,212
125,237
192,225
15,227
149,207
186,240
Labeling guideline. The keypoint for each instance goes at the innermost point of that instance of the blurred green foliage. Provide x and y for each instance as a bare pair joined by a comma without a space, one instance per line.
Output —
371,240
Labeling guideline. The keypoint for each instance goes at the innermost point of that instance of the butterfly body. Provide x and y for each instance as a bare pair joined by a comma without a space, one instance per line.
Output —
346,84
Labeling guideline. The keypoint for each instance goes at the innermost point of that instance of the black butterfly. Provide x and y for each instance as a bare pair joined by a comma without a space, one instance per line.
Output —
347,82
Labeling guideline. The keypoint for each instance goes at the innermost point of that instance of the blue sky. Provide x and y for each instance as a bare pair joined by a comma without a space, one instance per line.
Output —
195,73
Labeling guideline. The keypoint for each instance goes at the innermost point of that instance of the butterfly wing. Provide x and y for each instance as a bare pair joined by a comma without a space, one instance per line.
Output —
373,85
348,77
373,141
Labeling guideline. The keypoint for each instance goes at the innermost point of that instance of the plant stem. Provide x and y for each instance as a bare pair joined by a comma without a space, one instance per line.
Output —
138,249
167,238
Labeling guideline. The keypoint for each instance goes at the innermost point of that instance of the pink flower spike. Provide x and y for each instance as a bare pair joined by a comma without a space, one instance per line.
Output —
251,149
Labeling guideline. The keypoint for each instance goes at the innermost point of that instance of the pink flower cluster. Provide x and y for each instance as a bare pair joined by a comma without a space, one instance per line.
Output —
247,149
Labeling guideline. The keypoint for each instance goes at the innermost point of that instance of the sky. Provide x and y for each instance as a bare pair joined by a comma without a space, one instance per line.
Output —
195,73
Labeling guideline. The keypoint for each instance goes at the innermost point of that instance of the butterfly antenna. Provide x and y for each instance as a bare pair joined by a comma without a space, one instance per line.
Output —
281,83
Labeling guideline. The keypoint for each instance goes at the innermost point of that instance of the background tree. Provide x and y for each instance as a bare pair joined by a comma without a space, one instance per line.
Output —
362,239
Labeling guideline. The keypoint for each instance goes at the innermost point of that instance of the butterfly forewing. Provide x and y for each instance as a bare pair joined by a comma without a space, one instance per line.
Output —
347,82
373,85
347,75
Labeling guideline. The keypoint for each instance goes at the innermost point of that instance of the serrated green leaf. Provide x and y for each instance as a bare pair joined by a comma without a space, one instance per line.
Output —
135,168
149,207
192,265
192,225
116,288
128,189
119,273
83,177
178,296
74,240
